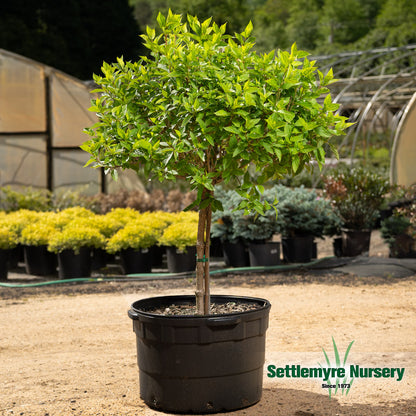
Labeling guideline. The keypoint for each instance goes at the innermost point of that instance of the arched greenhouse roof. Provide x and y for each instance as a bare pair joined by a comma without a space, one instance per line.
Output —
375,89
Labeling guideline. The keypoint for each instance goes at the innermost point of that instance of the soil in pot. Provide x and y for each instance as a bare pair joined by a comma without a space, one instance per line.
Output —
200,364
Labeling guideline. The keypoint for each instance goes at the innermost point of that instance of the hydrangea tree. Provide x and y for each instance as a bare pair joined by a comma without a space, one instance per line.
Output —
205,107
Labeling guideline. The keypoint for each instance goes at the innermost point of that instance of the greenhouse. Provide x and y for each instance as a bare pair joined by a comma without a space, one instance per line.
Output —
43,112
376,90
42,116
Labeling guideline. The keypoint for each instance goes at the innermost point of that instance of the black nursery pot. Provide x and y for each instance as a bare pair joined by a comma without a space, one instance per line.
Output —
4,257
136,261
355,242
298,249
200,364
71,265
236,254
181,261
264,254
39,261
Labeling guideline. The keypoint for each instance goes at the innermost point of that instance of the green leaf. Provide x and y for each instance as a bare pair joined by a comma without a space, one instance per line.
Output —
232,129
150,32
161,20
287,115
248,30
328,77
278,153
323,132
295,163
222,113
114,174
249,98
144,144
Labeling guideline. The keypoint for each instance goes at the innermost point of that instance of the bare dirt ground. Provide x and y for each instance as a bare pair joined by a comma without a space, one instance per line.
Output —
70,349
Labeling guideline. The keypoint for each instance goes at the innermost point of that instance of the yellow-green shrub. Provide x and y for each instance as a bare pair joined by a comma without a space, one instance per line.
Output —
8,236
180,235
18,220
107,226
185,216
134,235
37,234
62,218
75,237
123,215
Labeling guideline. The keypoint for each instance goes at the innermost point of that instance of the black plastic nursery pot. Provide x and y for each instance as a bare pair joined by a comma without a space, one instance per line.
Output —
179,261
136,261
298,249
158,256
15,255
337,246
39,261
403,247
355,242
264,254
4,258
100,258
200,364
236,254
72,265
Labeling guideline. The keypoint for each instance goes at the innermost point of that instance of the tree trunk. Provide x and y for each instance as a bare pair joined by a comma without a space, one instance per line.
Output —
202,291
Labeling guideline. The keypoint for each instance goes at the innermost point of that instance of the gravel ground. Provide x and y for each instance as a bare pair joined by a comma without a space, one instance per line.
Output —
69,349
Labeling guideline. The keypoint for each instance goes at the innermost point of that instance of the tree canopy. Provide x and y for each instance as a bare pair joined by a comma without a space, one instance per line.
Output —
205,107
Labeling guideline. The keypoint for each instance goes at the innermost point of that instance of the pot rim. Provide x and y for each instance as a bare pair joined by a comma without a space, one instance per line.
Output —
135,312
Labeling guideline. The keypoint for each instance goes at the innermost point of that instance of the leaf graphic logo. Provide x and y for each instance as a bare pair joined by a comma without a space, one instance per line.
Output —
337,384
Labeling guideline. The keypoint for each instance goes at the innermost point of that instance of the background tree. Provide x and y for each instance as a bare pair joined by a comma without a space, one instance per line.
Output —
270,25
395,25
74,36
303,24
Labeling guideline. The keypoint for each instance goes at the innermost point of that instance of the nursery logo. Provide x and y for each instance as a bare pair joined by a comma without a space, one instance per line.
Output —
338,377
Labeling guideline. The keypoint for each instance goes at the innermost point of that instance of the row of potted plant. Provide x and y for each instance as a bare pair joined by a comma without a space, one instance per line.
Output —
347,209
350,204
75,232
300,216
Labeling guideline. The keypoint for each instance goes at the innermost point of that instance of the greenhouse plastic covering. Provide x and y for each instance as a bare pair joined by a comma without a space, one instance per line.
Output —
42,116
